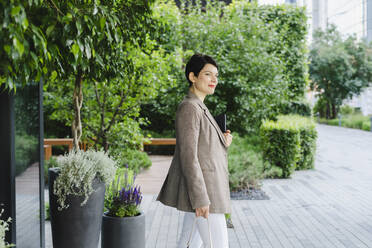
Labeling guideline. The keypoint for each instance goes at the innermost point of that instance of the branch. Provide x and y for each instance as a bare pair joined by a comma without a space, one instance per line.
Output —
102,106
55,6
116,111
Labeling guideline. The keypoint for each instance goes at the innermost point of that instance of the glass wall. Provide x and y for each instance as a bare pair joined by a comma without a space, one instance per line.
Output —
27,166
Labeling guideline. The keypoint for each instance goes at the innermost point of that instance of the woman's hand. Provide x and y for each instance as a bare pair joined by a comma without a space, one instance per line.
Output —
203,211
228,137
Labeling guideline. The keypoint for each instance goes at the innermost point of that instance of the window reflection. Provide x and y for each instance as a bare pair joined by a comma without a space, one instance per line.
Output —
26,114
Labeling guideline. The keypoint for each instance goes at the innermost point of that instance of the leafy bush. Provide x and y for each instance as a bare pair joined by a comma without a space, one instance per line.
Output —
289,143
26,151
122,198
356,121
366,126
78,169
346,110
135,159
320,107
308,135
281,146
246,165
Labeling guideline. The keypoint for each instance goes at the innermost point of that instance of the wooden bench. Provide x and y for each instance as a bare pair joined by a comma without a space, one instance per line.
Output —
161,141
49,143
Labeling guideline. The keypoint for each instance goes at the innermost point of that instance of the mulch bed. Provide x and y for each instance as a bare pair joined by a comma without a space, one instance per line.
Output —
249,194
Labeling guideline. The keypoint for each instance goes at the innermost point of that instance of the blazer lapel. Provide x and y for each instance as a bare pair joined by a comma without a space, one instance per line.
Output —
214,123
209,116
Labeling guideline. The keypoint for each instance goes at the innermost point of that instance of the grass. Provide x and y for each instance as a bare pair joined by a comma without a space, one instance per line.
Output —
356,121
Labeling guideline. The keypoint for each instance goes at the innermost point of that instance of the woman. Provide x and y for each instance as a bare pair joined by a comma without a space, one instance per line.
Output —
197,181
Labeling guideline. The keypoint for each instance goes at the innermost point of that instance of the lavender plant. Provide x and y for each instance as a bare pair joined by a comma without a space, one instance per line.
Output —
123,198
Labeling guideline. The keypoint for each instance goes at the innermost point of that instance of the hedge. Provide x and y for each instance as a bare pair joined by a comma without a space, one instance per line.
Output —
288,144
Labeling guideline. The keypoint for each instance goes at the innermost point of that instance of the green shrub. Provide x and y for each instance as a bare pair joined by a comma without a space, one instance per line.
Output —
346,110
245,161
356,121
281,145
320,108
308,135
135,159
26,151
366,126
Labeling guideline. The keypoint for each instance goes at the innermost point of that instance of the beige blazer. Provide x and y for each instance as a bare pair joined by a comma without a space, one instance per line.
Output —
198,175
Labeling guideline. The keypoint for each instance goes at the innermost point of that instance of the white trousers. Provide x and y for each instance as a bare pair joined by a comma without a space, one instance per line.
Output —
200,236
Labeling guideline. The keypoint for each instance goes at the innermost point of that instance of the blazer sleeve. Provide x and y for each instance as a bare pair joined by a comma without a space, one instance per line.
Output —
188,128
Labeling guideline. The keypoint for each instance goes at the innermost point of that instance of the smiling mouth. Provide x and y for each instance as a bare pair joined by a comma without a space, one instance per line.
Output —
212,86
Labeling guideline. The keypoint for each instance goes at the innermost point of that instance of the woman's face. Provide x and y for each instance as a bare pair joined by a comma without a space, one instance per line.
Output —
207,79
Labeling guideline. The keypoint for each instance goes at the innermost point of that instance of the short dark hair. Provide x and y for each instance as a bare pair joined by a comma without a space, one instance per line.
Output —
196,64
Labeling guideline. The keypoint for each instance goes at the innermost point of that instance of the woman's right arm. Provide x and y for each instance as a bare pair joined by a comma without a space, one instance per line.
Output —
188,128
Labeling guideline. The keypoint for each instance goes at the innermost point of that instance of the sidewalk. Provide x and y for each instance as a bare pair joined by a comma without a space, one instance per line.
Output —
330,206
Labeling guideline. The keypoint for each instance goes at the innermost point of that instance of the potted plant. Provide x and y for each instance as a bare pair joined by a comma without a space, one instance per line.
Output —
4,226
123,224
76,197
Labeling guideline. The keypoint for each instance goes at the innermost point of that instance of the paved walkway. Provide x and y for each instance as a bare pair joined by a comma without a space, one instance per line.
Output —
330,206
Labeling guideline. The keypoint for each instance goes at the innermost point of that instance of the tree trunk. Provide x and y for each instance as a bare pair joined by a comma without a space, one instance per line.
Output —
328,111
78,102
334,112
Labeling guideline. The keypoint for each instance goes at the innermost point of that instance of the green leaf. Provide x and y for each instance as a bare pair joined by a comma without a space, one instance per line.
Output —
102,22
99,59
75,50
19,46
67,18
7,49
53,76
15,10
49,30
25,23
88,51
79,27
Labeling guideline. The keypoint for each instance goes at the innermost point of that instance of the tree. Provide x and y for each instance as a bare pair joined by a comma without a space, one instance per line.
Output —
23,47
111,109
79,42
260,52
339,69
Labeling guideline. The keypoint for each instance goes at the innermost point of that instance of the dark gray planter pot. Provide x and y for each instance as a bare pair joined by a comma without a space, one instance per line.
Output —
77,226
128,232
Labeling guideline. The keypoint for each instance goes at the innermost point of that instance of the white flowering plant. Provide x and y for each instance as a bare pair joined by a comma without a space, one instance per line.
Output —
77,170
4,227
